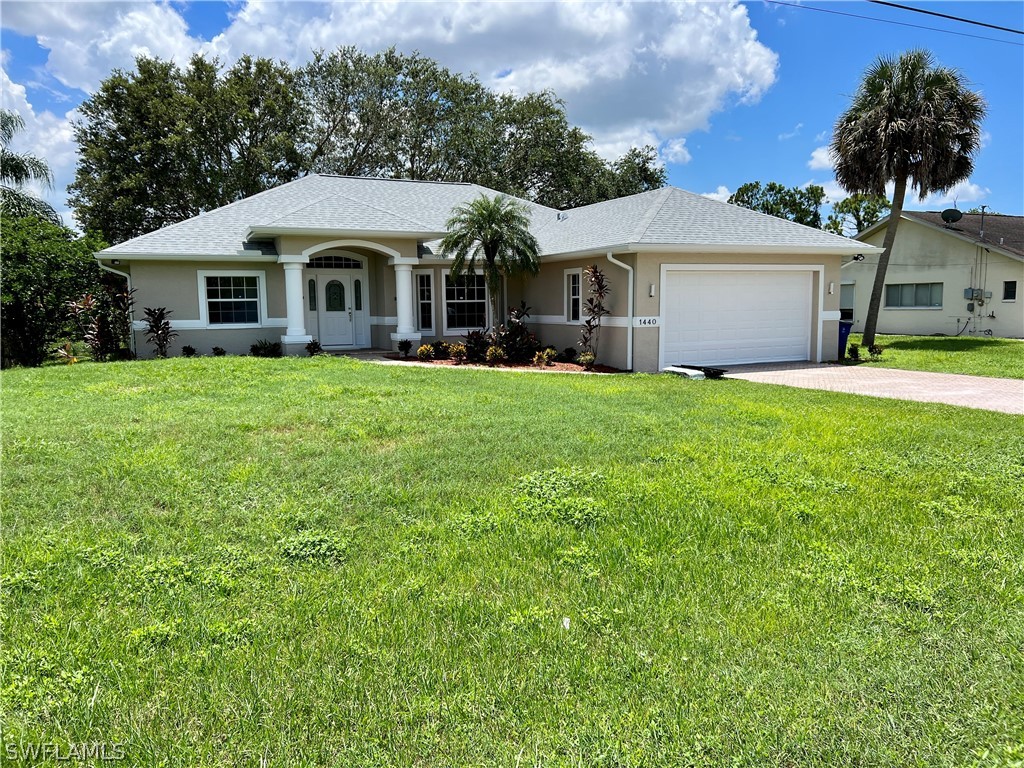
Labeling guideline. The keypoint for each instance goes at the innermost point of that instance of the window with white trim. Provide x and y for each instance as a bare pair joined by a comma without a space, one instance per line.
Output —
1009,290
465,302
913,296
232,299
573,295
425,301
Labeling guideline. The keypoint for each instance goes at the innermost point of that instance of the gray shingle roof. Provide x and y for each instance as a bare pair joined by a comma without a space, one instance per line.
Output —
667,216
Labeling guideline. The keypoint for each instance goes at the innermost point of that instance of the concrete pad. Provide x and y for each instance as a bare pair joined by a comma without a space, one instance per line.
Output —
1004,395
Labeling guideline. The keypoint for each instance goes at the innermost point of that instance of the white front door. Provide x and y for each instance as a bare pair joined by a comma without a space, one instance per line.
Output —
335,310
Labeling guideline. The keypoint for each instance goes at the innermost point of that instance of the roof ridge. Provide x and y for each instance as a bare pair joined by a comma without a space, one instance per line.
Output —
652,214
420,224
386,178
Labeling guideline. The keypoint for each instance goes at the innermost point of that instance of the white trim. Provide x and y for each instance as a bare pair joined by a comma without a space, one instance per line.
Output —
200,257
271,231
197,325
810,268
417,302
351,244
566,273
606,322
631,292
831,314
204,307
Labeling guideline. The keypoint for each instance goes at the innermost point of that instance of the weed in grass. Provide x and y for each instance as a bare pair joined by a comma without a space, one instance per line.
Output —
561,495
314,547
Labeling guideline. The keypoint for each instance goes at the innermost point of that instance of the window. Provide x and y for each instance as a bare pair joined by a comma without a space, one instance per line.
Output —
334,262
232,299
311,287
846,301
914,296
465,300
425,301
334,297
1009,290
357,291
573,294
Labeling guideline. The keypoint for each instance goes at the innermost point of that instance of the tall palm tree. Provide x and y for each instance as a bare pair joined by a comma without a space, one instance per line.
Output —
494,232
910,122
17,170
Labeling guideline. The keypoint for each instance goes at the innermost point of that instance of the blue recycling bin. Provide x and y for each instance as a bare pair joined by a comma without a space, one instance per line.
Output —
844,336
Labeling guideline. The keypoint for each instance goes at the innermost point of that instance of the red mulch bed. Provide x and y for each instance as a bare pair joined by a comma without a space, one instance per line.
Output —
553,368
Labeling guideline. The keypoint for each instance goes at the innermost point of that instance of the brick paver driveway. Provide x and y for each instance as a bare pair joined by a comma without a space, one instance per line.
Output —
1006,395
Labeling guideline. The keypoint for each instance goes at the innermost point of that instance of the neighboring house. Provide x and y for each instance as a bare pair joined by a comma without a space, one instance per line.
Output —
353,263
943,278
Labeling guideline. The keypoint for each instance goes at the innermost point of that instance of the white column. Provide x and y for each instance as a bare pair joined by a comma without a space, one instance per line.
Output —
296,333
406,310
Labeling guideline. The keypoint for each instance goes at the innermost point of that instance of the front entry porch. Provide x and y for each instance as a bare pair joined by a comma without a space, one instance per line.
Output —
348,295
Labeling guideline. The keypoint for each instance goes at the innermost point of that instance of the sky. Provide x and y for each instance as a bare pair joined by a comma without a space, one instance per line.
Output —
729,92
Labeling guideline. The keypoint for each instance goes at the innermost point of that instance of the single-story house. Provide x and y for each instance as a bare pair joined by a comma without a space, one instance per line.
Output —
959,277
353,263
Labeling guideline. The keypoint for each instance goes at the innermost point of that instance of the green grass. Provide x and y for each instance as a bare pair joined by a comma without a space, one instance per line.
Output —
976,356
234,561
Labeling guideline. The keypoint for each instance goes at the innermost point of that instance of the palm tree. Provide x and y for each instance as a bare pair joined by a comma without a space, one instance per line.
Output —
16,170
494,232
911,121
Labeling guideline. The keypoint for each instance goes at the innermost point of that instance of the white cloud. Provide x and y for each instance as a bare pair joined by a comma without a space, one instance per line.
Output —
823,136
675,151
722,194
964,192
820,160
791,134
986,139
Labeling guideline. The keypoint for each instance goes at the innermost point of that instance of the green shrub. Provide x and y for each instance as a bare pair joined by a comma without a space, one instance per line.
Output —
853,352
188,351
544,358
476,346
514,338
425,353
876,351
458,352
405,347
569,355
265,348
313,349
586,359
442,350
495,355
219,352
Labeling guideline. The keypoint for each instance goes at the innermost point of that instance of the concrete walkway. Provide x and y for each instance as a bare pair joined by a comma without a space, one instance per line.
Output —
1005,395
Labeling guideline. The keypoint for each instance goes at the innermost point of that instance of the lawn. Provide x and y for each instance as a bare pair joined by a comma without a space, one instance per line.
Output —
974,355
305,562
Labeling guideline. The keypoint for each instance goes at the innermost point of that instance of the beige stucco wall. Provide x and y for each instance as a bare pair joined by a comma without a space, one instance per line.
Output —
923,254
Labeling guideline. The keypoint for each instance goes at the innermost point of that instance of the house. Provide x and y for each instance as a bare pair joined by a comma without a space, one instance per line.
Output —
943,278
353,263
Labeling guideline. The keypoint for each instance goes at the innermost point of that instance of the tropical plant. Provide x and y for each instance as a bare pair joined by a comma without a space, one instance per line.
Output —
405,347
104,321
458,352
493,233
425,353
188,351
314,348
594,308
158,329
495,355
518,343
19,169
911,122
219,351
476,346
266,348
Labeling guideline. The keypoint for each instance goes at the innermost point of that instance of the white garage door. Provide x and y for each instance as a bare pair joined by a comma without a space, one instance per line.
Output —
714,318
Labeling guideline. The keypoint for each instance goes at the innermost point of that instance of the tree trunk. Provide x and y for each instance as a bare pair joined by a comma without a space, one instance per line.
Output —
871,321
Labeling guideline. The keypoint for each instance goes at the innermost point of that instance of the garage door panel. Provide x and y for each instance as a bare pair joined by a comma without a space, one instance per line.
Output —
729,317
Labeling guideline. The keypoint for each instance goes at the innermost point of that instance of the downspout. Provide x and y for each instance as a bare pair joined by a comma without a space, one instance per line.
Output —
128,278
629,311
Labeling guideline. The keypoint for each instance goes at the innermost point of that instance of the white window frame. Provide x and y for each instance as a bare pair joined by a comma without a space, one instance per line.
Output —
567,299
448,330
914,307
204,307
416,273
1016,291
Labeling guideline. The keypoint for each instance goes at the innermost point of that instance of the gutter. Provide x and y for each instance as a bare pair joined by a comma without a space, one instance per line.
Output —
128,278
629,310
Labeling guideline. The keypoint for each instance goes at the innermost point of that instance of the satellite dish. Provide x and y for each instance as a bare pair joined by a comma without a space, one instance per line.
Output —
951,215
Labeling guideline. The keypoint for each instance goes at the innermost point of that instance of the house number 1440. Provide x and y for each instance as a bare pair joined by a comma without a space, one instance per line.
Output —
645,322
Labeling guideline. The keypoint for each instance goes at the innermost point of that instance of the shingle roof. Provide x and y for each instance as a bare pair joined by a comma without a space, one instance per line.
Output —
1006,232
667,216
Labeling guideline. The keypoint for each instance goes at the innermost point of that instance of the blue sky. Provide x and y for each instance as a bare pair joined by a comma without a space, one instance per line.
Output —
729,92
